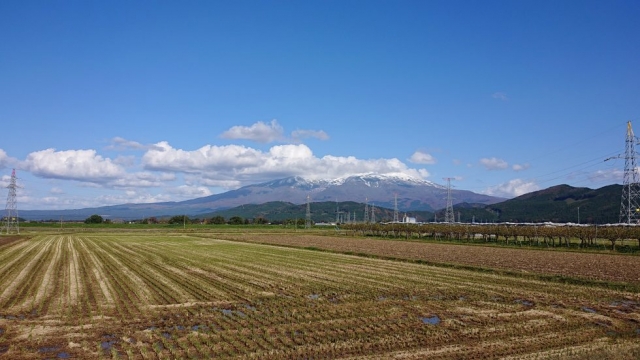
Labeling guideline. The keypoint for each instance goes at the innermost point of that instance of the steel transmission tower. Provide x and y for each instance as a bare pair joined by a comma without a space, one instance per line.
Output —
11,216
373,213
449,217
395,208
307,222
366,210
629,204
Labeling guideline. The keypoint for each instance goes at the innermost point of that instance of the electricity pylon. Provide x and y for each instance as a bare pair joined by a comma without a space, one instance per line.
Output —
307,222
395,208
629,204
366,210
449,217
11,214
373,213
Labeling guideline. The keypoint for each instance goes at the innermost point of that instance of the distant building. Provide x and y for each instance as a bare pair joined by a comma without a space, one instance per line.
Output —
408,220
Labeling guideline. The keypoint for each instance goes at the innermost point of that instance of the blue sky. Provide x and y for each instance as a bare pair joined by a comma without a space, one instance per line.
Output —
109,102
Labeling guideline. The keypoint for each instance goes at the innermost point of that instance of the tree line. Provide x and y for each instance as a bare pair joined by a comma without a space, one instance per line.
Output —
215,220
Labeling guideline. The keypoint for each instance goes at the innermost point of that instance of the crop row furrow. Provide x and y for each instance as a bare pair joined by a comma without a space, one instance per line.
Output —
26,284
155,288
190,288
127,297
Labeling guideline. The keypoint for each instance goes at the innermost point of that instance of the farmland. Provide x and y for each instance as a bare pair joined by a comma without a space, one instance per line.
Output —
150,295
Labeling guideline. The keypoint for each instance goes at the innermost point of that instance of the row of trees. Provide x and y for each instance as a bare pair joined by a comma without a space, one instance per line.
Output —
183,219
586,236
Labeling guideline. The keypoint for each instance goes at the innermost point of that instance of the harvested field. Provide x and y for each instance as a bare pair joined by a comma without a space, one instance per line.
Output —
594,266
162,296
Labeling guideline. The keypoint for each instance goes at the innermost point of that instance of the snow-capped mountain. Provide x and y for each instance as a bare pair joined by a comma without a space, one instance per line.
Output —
377,189
381,190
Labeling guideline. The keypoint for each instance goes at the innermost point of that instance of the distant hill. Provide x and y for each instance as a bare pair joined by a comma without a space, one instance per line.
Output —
556,204
320,212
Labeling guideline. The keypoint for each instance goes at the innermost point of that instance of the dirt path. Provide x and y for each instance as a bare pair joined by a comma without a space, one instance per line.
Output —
606,267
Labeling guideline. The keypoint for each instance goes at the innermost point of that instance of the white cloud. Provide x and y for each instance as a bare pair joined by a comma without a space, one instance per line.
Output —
81,165
494,163
126,161
233,165
56,190
118,143
500,96
121,144
259,132
520,167
512,188
190,191
420,157
3,158
297,135
607,175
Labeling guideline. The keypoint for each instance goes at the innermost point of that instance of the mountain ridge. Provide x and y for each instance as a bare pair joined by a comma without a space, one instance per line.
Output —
379,189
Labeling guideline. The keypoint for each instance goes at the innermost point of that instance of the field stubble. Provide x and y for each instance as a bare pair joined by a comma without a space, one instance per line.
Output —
154,296
594,266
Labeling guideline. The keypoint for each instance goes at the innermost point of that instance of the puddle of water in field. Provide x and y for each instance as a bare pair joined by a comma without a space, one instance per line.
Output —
241,314
625,306
199,327
166,335
107,345
179,327
314,296
589,310
431,320
249,307
63,355
48,349
227,312
151,328
381,298
523,302
1,331
108,340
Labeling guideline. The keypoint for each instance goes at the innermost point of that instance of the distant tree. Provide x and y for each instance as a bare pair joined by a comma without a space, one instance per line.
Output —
236,220
260,221
108,221
94,219
151,220
218,220
180,219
